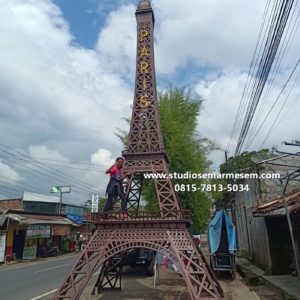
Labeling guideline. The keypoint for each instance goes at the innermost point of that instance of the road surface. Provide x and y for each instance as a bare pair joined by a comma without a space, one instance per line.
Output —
24,281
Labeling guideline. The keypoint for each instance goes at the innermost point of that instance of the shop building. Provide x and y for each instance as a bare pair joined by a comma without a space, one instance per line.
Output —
26,235
262,215
34,202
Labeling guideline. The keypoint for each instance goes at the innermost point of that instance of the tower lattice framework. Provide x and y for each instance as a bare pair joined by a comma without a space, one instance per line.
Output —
165,232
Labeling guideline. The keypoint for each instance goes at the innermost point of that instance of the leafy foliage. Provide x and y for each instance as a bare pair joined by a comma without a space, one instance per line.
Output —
241,162
87,206
123,134
220,198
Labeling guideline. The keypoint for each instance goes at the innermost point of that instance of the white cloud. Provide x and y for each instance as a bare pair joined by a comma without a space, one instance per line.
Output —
207,33
211,32
102,157
58,100
43,151
8,174
222,96
52,90
117,42
69,100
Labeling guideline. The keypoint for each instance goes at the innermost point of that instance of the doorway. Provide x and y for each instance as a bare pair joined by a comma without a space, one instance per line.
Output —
19,242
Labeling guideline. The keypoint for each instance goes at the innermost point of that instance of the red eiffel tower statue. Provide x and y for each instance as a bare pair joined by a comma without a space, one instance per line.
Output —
165,232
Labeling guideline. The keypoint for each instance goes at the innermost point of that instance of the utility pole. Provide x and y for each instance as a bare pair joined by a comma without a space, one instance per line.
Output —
61,190
291,176
288,217
230,198
60,202
232,205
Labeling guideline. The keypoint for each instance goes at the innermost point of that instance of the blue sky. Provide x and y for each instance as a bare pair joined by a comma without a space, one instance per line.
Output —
67,77
85,18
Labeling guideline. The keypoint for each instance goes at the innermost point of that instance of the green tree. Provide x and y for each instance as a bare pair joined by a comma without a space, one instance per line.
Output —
220,199
87,206
242,163
187,151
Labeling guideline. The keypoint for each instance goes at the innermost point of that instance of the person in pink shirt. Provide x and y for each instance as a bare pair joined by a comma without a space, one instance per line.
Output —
115,186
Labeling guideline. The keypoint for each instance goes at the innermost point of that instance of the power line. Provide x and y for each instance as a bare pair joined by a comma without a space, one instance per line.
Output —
34,172
10,188
68,162
280,58
278,97
276,118
7,193
37,164
75,168
26,187
270,49
242,103
32,168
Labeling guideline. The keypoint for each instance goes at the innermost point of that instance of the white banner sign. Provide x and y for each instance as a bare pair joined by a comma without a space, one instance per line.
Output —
38,231
65,189
95,201
2,247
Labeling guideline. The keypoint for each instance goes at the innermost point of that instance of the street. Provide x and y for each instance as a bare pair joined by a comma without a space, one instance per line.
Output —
28,280
39,280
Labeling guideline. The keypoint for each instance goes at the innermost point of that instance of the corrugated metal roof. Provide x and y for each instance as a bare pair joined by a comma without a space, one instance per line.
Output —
40,219
277,206
2,219
28,196
35,197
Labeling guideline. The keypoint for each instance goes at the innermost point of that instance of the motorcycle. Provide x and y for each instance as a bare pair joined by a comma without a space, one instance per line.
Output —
48,250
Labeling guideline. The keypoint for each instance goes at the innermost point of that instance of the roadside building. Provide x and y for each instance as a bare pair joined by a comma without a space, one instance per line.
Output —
30,234
50,204
275,215
35,202
31,225
2,237
262,226
11,204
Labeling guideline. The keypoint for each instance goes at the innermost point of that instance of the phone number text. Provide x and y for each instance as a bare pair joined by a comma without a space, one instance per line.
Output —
211,187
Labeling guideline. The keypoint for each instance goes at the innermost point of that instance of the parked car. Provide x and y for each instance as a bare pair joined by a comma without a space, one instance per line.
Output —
142,257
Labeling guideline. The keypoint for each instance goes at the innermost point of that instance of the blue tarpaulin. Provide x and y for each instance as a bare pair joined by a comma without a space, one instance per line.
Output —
76,218
215,232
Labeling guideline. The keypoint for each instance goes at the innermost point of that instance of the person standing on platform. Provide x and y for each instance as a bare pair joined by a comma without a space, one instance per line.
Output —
115,186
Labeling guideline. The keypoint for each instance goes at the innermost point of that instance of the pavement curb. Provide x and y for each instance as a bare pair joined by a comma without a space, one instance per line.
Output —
38,260
245,268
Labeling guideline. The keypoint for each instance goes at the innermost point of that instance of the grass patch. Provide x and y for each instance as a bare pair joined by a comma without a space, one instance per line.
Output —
255,281
287,296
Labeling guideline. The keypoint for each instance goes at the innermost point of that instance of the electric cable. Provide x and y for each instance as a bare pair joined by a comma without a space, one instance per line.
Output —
266,62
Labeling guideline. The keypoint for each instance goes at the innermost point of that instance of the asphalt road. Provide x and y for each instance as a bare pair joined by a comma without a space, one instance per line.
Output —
38,280
24,281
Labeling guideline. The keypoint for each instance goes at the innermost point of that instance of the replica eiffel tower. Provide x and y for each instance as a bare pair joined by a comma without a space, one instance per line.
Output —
165,232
